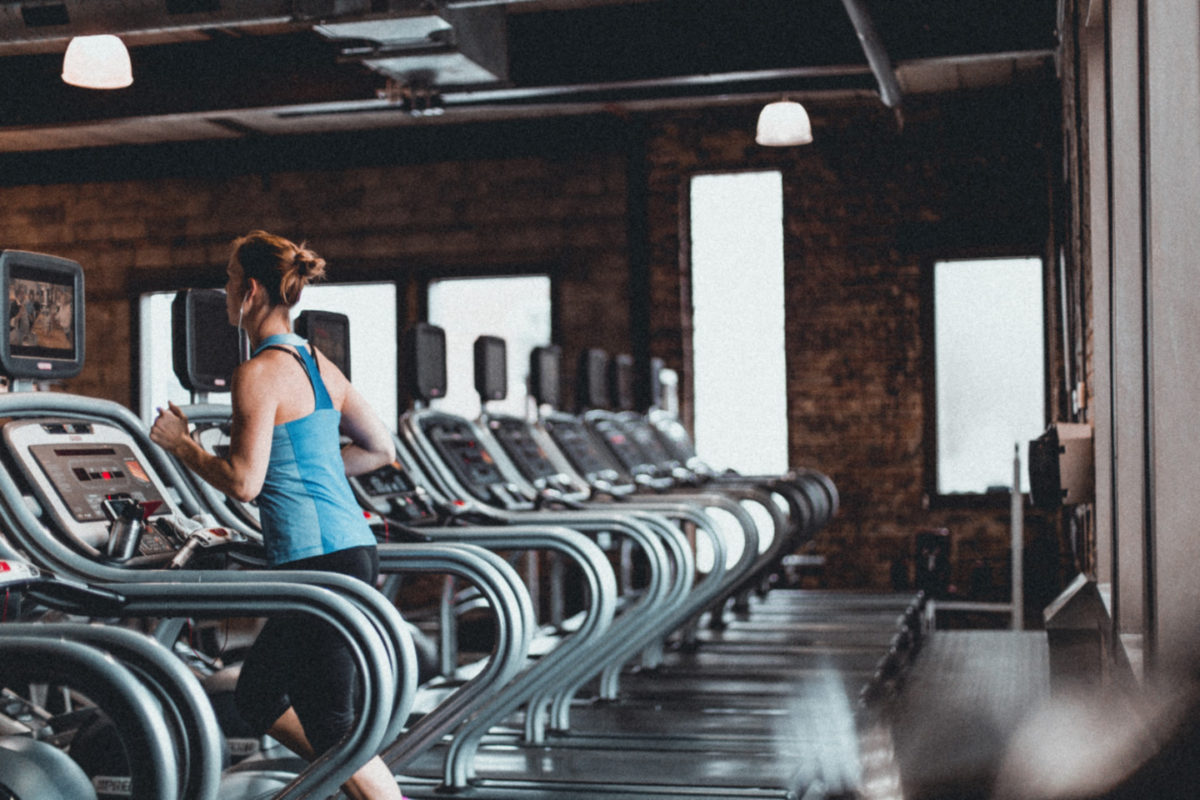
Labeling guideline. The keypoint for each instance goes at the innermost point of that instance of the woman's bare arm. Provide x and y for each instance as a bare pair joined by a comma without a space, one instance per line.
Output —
371,444
239,475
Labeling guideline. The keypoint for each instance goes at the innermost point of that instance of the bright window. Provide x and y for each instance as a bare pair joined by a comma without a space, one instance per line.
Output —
738,338
517,309
990,370
371,308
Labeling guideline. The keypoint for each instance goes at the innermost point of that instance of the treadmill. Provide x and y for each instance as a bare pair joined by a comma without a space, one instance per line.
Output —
570,454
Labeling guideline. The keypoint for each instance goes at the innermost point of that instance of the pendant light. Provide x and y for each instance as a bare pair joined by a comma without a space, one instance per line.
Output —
782,124
97,62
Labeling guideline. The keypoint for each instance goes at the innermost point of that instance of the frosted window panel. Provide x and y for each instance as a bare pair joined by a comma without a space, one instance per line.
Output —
990,369
516,309
157,374
738,339
371,308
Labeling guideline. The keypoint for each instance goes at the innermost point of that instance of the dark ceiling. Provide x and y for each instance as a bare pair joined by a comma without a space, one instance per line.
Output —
222,69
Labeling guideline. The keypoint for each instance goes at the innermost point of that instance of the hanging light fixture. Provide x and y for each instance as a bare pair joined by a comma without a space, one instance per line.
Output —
97,62
783,123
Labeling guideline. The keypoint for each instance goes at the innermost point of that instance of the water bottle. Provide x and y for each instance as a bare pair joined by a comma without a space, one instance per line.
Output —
125,532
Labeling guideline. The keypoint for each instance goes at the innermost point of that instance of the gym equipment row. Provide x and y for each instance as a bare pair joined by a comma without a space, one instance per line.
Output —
678,651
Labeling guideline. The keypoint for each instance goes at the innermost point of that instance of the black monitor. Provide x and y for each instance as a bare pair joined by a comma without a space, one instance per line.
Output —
592,379
205,348
491,368
544,380
620,382
425,361
329,332
45,316
657,365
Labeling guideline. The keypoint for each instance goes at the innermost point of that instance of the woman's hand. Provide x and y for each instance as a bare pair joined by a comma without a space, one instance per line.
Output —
170,429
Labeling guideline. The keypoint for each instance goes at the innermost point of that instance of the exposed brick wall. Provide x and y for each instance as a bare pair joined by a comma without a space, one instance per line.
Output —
393,218
866,205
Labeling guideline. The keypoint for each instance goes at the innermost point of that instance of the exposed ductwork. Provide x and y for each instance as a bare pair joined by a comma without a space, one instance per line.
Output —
452,48
47,22
402,40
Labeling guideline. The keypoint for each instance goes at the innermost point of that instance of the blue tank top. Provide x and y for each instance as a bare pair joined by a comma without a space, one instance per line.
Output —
306,505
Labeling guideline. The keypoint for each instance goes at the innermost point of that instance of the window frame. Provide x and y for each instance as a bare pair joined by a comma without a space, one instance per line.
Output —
932,498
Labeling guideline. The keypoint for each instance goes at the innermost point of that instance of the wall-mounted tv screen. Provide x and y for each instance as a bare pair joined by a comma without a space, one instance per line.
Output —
205,348
45,316
329,332
491,368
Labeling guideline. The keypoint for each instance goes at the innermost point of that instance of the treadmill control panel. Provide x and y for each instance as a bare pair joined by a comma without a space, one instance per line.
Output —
626,451
464,454
513,436
577,445
639,430
519,444
471,463
86,475
390,491
73,466
677,439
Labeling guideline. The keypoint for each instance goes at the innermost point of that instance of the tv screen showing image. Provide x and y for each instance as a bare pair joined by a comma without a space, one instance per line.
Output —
45,315
40,316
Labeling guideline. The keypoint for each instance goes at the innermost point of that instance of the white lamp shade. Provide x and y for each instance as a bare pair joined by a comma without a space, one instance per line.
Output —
97,62
783,123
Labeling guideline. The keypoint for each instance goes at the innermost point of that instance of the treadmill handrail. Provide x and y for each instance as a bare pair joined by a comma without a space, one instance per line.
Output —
265,598
115,689
173,684
600,582
500,585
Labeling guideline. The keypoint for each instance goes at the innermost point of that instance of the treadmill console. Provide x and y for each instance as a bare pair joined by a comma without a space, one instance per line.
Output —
644,437
579,448
514,437
73,466
391,492
624,448
472,465
522,449
85,476
675,438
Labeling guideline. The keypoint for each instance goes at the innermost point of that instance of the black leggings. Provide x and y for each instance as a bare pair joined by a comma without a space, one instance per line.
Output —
302,663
